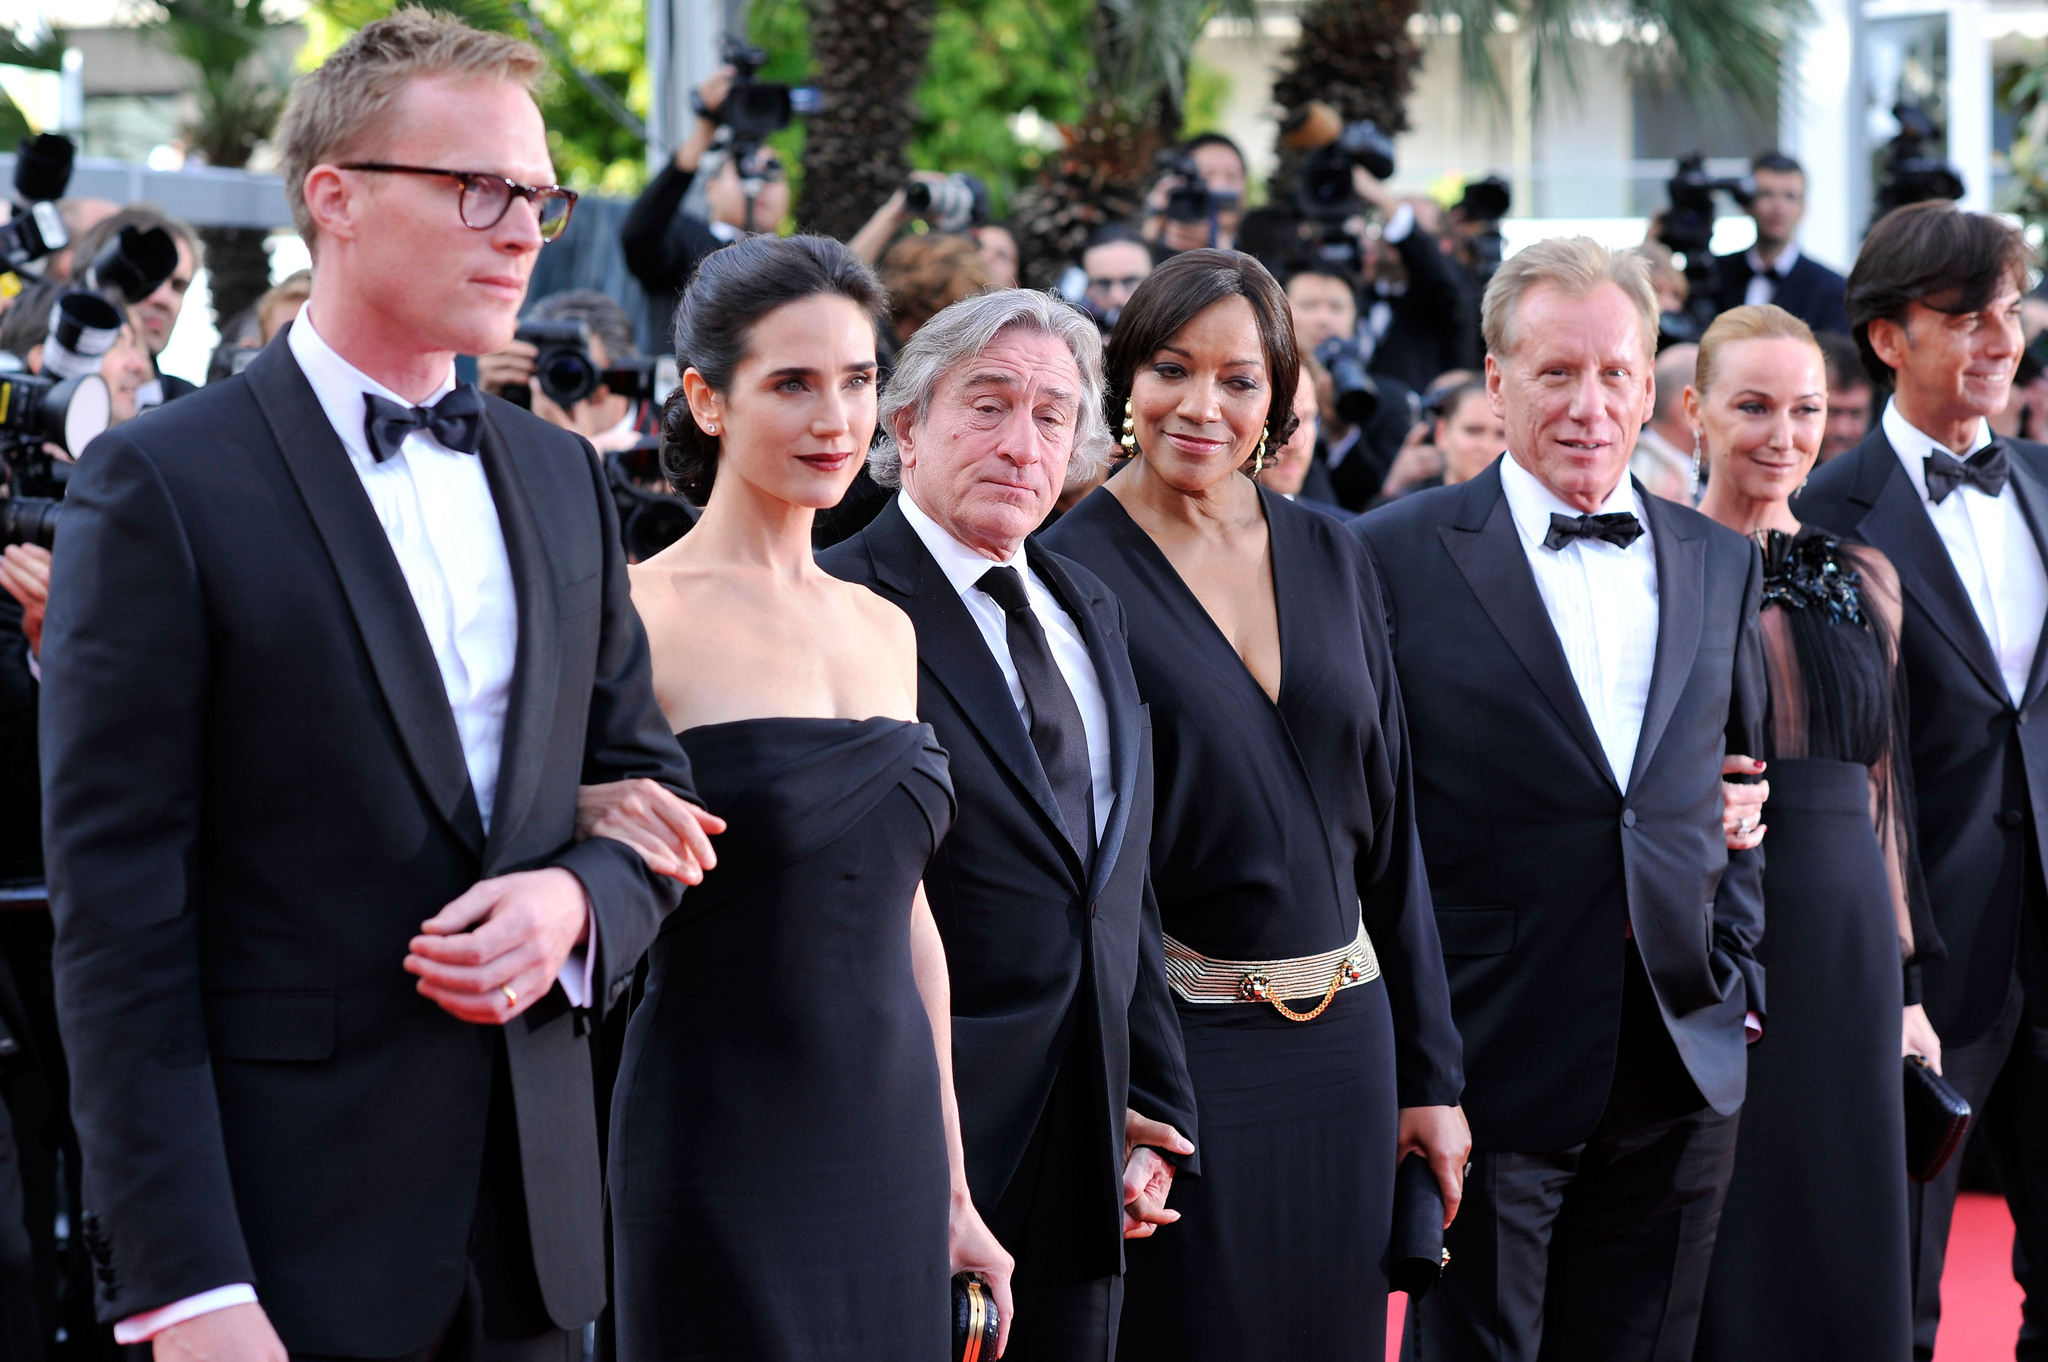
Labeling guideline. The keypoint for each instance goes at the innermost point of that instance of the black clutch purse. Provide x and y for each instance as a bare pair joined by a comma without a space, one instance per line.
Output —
1417,1256
1937,1118
975,1320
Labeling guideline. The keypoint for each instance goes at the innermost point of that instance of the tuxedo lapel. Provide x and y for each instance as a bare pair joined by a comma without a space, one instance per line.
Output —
1897,523
529,712
1488,553
1119,700
951,650
1681,610
386,617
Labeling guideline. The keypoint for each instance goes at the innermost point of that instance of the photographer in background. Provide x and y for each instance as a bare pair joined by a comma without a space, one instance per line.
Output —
1001,255
610,421
664,240
1416,319
1852,402
1220,165
1774,270
1113,263
155,315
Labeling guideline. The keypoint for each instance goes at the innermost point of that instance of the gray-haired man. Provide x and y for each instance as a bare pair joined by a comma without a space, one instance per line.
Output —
1067,1055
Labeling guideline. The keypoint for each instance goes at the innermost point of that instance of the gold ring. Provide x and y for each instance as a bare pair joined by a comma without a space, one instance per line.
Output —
510,996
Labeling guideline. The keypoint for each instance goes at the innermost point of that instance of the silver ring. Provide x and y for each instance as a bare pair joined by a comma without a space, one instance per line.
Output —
1745,826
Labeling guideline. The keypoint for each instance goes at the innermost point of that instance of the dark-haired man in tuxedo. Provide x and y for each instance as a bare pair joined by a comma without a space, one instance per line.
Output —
1775,270
1577,658
1934,301
1073,1086
331,645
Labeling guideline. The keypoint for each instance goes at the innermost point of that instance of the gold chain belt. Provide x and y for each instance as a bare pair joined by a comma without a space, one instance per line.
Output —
1197,978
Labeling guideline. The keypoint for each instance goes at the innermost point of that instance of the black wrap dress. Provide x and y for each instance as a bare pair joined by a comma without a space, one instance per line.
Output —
1277,824
778,1176
1811,1260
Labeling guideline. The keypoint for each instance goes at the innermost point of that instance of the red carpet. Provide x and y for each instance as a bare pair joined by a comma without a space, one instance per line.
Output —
1980,1302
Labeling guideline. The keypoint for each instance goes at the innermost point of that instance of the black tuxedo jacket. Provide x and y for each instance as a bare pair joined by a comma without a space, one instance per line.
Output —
1980,763
1812,292
1031,933
1537,861
254,793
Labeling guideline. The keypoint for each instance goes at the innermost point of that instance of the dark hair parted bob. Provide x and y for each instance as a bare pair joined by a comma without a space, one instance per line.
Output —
1173,295
733,290
1936,255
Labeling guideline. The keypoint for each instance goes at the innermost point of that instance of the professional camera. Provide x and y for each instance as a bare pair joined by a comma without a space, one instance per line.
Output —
1484,204
955,204
42,171
650,517
66,406
1191,200
1911,175
134,263
1324,192
567,373
755,108
1688,226
1358,397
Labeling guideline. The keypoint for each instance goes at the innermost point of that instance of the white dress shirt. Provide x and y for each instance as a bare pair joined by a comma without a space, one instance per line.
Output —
436,508
1992,548
963,568
1602,601
1762,287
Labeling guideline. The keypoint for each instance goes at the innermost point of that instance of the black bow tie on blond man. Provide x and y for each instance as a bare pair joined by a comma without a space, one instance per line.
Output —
1987,470
1619,528
457,421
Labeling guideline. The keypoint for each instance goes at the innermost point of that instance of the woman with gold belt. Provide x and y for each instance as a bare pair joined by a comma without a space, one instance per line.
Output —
1301,944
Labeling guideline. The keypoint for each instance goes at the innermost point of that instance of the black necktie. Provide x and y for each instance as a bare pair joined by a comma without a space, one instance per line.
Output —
1986,470
1619,528
457,421
1056,731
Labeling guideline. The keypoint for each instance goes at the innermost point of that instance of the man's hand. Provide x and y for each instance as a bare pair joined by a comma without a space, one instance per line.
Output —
1417,460
25,573
511,367
1148,1177
497,950
1440,1135
1373,190
672,835
1742,806
240,1333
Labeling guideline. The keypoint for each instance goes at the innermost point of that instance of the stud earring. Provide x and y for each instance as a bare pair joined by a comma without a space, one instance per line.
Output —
1130,440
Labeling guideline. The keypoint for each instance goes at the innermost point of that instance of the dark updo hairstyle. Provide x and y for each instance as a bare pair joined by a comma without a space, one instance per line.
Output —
733,290
1173,295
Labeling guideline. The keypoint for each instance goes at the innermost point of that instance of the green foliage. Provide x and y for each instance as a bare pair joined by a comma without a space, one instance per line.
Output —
2022,90
592,151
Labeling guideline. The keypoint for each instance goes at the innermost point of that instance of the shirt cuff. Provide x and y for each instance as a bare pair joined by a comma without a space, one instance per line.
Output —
35,668
1752,1028
577,970
1399,225
143,1327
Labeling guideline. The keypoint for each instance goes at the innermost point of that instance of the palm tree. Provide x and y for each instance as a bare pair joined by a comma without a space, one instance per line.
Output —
1142,49
242,74
867,57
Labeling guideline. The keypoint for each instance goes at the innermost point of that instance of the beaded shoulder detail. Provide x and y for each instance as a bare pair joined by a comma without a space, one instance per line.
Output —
1808,572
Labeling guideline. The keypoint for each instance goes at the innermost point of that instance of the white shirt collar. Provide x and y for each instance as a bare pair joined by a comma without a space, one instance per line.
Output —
1913,445
1532,503
341,386
963,566
1782,266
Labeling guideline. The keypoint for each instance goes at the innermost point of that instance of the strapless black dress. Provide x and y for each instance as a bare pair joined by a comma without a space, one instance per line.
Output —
778,1170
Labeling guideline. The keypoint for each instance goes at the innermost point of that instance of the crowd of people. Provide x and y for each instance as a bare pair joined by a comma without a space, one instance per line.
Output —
1107,778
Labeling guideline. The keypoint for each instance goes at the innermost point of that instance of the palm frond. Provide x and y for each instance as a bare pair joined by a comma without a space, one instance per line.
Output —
1142,47
43,51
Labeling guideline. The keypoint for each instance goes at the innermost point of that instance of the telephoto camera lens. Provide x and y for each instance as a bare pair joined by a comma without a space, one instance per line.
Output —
69,414
1358,397
135,263
29,520
83,327
952,205
564,369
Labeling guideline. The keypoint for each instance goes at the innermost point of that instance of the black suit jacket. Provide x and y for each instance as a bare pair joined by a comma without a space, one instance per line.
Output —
1980,763
254,793
1032,934
1435,327
1537,860
1812,292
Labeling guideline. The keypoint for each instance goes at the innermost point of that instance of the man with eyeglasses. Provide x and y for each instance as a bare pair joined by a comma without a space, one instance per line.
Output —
1115,261
332,644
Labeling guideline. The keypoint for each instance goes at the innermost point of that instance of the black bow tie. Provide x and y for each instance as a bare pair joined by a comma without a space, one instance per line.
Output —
1619,528
1987,470
457,421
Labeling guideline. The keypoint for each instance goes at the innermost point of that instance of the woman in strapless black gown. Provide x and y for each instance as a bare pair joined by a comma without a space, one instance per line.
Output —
1284,828
786,1174
1812,1256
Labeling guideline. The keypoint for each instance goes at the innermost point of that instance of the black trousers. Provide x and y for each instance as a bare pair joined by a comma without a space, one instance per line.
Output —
1599,1252
2004,1074
1051,1218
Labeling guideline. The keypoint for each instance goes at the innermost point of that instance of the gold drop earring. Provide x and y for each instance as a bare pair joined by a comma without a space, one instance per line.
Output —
1259,458
1130,440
